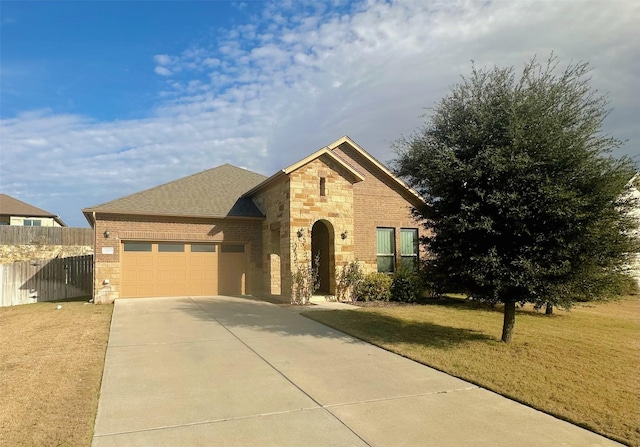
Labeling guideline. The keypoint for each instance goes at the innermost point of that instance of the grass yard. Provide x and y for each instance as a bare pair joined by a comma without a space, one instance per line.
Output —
582,366
51,365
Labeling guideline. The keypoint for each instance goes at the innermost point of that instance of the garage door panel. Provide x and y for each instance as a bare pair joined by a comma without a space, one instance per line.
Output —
141,275
169,273
170,262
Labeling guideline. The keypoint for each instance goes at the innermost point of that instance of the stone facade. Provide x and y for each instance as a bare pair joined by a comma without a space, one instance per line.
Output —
273,202
17,253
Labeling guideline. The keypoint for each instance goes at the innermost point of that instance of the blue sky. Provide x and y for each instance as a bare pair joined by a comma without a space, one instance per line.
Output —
99,99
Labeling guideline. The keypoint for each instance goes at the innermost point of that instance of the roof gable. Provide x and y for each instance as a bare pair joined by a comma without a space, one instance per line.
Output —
13,207
356,176
409,193
212,193
324,152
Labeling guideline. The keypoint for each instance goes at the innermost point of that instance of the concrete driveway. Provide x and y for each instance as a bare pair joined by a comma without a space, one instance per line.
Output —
236,372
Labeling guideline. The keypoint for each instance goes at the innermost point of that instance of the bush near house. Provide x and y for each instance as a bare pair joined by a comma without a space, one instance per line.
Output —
374,287
347,280
406,287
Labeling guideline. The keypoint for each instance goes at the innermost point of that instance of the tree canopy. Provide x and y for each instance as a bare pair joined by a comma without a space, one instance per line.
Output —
523,195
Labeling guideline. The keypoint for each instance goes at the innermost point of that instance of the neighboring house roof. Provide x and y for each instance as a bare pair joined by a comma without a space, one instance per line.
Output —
212,193
10,206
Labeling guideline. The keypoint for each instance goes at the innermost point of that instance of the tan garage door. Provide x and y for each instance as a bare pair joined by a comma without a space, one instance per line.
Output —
181,269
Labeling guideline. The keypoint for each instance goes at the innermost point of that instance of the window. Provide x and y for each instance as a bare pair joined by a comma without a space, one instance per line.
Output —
137,246
386,250
170,247
232,249
323,186
32,222
409,248
203,248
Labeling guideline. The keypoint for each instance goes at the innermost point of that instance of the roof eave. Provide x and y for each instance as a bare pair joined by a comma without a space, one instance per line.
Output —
264,184
89,211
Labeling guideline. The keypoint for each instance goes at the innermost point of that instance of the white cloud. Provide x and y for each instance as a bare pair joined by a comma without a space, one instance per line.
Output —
269,92
211,62
163,71
162,59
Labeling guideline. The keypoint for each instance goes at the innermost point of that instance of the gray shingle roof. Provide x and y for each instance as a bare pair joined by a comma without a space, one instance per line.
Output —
212,193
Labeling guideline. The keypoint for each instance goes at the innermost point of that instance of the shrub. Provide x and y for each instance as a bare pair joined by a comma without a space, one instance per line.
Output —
406,287
374,287
305,275
347,280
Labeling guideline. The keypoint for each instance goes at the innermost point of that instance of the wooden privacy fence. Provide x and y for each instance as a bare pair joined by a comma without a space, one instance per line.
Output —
46,280
14,235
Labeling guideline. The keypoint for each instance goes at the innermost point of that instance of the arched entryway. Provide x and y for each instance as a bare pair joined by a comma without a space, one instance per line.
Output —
322,244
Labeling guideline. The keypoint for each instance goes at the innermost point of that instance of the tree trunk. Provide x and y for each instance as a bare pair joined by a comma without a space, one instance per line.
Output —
509,321
549,309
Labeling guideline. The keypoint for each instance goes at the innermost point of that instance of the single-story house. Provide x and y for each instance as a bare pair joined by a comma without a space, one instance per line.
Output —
17,212
230,231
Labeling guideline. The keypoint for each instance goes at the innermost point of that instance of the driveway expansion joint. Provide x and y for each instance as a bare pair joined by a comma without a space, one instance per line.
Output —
186,342
407,396
206,422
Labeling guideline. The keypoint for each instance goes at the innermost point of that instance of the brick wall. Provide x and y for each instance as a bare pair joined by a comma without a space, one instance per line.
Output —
378,202
183,229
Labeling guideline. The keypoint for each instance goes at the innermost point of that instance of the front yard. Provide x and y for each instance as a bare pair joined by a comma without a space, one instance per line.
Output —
582,366
51,363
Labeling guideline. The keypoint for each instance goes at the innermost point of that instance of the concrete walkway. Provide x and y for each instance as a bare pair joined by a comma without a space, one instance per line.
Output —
236,372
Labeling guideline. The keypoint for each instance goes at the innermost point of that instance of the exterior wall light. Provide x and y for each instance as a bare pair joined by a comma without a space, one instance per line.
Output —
344,234
300,233
107,233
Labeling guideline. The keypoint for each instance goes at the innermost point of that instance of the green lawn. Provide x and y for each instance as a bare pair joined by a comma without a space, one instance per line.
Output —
582,366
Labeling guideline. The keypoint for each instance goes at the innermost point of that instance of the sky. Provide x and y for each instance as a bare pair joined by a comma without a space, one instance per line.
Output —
100,99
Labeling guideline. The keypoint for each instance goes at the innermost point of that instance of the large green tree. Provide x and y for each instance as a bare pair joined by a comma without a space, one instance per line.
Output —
523,194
